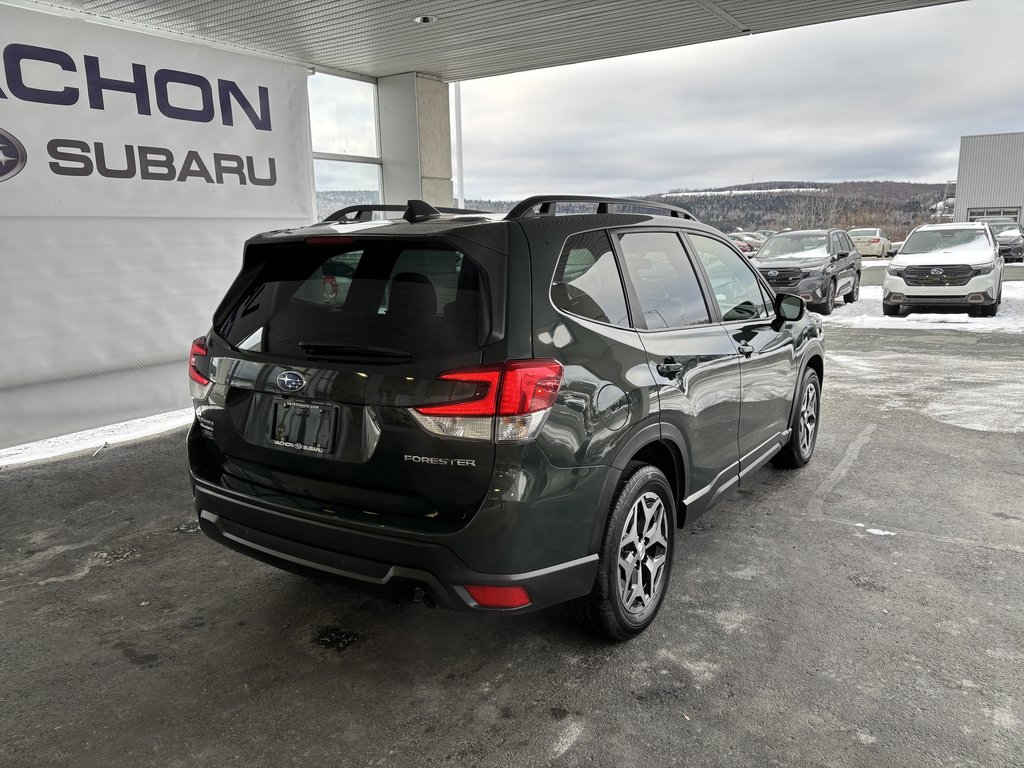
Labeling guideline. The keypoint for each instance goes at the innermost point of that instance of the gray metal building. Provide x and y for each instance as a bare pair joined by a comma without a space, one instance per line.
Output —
990,181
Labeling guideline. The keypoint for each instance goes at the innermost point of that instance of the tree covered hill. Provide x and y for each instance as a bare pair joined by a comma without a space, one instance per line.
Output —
895,206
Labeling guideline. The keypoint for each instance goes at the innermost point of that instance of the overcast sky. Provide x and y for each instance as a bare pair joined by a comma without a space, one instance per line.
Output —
883,97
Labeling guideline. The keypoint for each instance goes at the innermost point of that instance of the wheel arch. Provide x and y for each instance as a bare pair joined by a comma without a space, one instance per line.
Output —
659,445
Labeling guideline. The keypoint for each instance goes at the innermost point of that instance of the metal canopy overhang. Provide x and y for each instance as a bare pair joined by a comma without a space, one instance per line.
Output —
470,38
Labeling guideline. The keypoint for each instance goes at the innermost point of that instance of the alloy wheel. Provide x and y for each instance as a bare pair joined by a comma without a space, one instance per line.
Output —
643,553
808,422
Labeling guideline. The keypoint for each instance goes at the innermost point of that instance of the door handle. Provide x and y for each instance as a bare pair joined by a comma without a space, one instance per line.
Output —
745,349
669,368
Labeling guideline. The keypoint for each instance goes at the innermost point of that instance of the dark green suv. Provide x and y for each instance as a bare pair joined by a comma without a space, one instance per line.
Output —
495,414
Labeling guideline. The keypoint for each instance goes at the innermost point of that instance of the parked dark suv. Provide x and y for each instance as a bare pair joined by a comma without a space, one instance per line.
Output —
816,264
495,414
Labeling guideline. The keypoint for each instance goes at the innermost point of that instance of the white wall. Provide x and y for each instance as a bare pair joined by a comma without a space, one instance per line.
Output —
102,275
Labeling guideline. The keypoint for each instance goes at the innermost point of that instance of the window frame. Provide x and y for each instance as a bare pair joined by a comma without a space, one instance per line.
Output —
767,292
334,157
633,299
623,283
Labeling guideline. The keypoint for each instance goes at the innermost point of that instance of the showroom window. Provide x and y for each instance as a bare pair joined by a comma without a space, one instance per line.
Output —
346,153
973,214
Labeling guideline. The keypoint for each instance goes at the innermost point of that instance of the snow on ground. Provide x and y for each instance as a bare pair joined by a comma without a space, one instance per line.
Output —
96,439
867,313
983,394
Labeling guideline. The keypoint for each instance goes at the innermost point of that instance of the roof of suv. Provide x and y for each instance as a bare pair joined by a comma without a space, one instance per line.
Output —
421,220
954,225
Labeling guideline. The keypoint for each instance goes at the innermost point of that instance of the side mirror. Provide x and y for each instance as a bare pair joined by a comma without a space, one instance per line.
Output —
789,307
841,254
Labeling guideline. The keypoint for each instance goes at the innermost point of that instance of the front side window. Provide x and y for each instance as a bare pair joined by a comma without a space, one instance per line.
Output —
666,285
587,282
837,243
737,290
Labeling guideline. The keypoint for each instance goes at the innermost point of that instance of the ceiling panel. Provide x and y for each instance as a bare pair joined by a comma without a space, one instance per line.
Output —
471,38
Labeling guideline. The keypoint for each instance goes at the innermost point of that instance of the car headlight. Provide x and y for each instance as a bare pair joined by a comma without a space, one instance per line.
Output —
895,271
984,269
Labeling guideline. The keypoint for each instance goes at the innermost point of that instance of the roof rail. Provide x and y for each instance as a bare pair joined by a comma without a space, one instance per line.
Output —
549,203
364,212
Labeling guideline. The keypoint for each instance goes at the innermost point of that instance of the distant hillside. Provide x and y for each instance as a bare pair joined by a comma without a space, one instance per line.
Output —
896,206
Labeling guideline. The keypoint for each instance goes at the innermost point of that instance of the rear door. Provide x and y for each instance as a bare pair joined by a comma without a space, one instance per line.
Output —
768,364
319,351
692,358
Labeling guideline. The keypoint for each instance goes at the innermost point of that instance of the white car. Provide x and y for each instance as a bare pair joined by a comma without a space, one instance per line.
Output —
948,265
870,241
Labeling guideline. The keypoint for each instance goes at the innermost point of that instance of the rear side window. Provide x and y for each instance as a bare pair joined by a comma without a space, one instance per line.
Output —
587,282
663,278
376,300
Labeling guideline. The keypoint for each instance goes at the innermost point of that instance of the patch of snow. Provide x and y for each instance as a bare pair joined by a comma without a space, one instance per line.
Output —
729,192
96,438
982,394
570,733
867,313
880,532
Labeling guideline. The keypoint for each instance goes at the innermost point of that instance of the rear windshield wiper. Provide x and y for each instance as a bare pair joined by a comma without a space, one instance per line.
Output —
341,350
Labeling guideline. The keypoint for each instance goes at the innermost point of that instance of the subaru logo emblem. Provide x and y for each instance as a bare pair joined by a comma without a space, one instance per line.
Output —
773,273
12,156
291,381
937,271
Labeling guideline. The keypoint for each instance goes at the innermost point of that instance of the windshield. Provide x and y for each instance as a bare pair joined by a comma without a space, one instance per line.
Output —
810,245
936,240
863,233
1000,228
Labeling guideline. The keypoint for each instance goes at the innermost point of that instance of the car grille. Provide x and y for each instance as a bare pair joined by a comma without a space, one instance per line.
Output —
926,300
958,274
784,278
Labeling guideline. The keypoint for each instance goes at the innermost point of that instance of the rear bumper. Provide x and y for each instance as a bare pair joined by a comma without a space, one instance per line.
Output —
385,565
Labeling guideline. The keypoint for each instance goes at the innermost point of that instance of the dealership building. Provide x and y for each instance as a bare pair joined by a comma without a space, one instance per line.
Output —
142,142
990,179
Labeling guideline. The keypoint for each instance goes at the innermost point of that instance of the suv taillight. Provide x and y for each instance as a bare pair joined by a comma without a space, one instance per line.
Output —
199,369
506,402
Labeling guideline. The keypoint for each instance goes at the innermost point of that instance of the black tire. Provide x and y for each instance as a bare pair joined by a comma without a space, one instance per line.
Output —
854,293
640,492
830,300
804,424
891,310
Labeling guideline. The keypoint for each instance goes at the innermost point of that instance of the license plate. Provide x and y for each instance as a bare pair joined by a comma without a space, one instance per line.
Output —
304,426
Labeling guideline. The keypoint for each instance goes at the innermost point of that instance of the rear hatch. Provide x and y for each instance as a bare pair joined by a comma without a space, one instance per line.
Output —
317,355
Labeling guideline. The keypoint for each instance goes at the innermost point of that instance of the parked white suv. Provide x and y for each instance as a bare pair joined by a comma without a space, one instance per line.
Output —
958,265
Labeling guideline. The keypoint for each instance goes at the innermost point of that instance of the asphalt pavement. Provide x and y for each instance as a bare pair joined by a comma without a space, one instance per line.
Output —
863,611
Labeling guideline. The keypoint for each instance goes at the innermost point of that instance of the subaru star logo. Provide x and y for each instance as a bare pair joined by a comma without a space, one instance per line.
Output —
773,273
937,271
12,156
291,381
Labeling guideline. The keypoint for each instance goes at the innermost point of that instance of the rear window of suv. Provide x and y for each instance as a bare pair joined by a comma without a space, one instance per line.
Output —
375,299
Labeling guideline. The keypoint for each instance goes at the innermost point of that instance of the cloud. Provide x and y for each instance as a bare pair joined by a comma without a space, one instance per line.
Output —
881,97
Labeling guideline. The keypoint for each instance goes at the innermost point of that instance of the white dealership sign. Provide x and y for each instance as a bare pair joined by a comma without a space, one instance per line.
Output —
133,167
96,120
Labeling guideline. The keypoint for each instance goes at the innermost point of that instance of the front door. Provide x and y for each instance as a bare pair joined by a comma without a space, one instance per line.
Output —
692,357
768,367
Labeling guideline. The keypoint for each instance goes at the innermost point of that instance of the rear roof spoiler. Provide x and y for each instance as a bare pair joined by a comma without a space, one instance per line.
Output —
415,211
